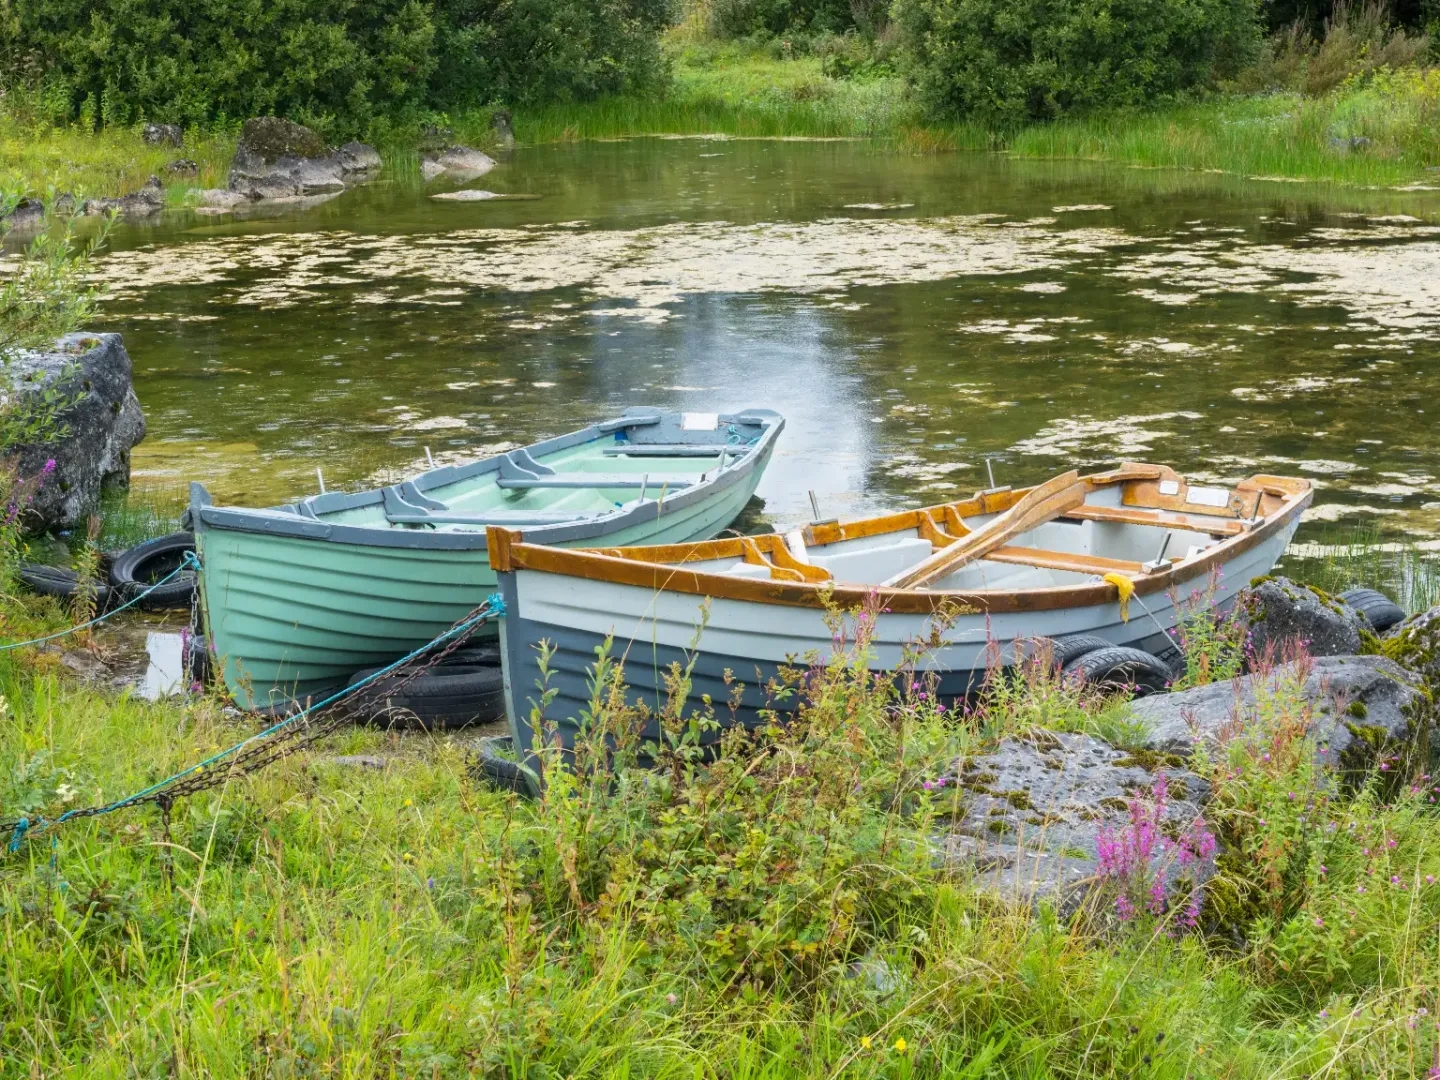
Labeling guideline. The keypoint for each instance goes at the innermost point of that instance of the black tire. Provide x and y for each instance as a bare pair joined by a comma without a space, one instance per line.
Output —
1117,667
499,770
1379,610
451,696
143,565
472,654
1069,649
62,582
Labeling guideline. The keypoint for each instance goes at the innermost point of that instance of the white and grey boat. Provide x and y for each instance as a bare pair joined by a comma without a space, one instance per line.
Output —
999,570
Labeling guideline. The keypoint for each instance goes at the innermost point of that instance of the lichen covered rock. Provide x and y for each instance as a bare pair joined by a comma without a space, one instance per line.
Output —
100,425
1364,712
1278,613
1034,815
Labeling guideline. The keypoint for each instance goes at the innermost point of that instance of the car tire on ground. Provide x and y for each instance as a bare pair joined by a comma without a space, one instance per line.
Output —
62,582
143,565
1118,667
451,696
1379,610
498,768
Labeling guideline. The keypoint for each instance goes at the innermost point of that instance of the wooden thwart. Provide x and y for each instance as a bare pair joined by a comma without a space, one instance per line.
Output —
1044,503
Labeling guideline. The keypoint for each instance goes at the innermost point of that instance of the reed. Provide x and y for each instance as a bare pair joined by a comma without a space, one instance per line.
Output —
1343,557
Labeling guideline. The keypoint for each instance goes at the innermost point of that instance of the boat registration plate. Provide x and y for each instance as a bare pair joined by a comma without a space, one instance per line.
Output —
699,421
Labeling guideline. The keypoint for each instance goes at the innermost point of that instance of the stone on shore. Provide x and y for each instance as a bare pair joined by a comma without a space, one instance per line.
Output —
278,159
504,133
1032,814
27,214
101,420
162,135
1278,613
456,162
1364,711
150,199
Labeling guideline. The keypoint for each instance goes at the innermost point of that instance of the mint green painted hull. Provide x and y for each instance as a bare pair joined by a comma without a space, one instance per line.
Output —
290,616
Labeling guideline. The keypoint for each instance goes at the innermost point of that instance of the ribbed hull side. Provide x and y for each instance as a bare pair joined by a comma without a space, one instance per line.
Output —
651,630
292,617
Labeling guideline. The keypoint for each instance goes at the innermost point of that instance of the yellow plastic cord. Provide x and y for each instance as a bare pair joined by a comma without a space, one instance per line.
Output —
1127,590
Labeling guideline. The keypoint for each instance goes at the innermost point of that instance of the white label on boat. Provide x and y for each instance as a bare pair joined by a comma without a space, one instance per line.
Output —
699,421
1169,487
1207,496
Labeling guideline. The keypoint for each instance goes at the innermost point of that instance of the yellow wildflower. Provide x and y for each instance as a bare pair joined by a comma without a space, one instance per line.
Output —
901,1046
865,1042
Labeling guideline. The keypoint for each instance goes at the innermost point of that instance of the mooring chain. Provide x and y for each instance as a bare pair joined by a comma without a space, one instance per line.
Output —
285,737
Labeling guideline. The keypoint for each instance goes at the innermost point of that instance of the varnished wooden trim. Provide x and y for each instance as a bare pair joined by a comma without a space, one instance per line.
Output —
656,567
1064,560
1134,515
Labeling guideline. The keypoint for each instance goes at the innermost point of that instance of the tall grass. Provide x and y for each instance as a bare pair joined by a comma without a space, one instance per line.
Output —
775,913
1345,557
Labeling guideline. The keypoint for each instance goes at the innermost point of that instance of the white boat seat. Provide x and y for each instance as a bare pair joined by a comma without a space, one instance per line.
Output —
872,565
671,450
598,480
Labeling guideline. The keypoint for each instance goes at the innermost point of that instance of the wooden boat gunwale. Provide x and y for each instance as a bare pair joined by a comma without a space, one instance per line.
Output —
306,519
1242,525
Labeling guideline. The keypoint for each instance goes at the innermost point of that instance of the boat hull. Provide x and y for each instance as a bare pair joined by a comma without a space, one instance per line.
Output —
291,616
748,642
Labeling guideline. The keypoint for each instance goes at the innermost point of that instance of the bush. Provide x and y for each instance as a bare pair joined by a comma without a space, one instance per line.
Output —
335,66
766,18
1357,43
1004,61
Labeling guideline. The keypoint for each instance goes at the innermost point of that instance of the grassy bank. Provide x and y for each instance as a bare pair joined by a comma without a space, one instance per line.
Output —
1384,131
772,915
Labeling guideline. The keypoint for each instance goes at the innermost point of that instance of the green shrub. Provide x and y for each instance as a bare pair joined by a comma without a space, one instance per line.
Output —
336,66
1005,61
764,18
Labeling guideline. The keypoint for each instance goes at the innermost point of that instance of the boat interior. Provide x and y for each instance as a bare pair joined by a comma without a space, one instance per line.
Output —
1136,520
646,456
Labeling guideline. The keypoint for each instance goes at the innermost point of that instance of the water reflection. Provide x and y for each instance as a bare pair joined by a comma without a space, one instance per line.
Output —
910,316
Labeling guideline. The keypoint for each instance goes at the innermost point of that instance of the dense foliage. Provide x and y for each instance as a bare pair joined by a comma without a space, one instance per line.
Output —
1012,60
337,66
752,18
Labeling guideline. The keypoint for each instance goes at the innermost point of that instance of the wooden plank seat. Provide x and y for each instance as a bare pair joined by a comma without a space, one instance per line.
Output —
1134,515
1064,560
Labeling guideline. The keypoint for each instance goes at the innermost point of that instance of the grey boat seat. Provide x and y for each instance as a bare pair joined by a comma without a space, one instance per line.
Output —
598,480
400,511
670,450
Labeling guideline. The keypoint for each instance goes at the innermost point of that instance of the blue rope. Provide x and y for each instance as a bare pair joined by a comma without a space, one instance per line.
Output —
189,562
493,608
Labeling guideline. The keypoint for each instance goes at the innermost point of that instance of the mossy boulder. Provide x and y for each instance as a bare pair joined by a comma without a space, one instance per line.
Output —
1415,644
1278,613
1029,815
1364,712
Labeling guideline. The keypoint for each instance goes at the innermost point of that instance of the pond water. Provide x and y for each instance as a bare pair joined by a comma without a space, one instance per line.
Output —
910,316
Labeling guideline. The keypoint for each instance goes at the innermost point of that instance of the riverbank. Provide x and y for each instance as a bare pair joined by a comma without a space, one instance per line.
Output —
1378,134
368,907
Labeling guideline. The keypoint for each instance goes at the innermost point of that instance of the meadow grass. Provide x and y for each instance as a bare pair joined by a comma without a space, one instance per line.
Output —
774,914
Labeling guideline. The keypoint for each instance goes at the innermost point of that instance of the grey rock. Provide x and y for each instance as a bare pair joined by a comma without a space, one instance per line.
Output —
459,162
1278,613
1364,710
218,198
64,204
276,159
1031,814
163,135
355,157
150,199
1349,142
101,422
28,214
504,133
183,167
1415,643
357,761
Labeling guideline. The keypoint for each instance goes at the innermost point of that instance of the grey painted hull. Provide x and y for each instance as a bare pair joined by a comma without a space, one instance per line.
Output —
652,629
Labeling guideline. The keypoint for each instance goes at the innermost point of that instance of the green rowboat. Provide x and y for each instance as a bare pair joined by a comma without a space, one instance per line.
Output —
297,598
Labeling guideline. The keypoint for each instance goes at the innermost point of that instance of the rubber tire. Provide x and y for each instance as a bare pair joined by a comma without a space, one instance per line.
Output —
473,654
62,582
144,564
446,697
1379,610
1118,667
498,771
1069,649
